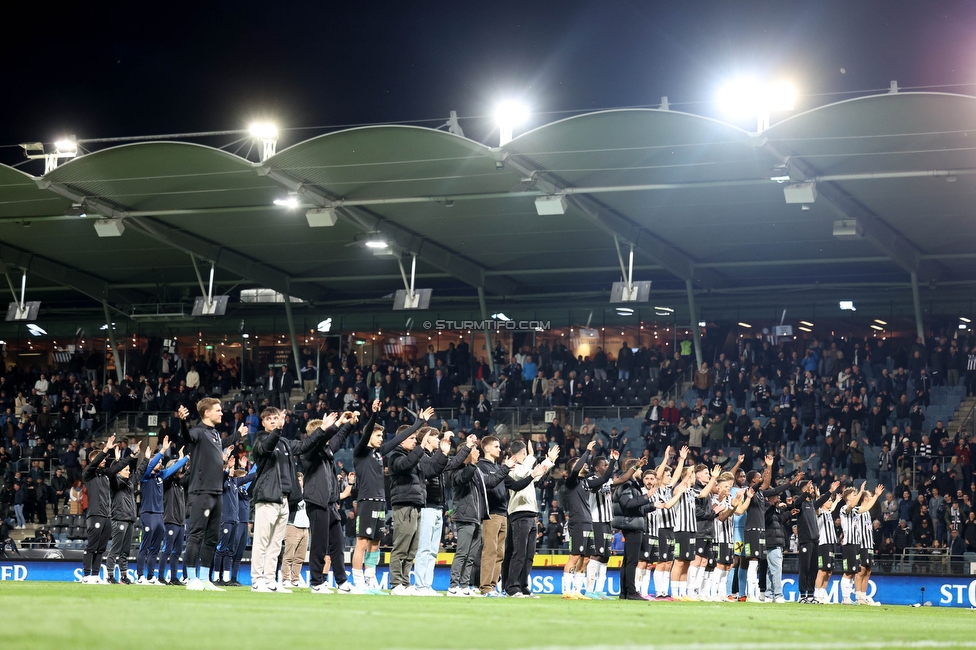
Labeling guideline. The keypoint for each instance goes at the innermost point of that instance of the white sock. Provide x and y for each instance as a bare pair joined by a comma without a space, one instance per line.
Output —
846,586
703,586
753,580
370,574
601,577
722,584
658,589
681,588
358,578
645,583
567,582
579,581
692,578
638,579
592,569
226,576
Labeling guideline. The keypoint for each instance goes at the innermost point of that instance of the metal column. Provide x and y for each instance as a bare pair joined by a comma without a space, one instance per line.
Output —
294,340
918,307
484,317
115,347
695,330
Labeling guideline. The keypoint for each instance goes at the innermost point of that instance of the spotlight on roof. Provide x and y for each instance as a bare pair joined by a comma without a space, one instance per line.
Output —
508,115
321,217
880,322
747,325
501,316
324,326
964,319
806,322
376,243
66,146
551,205
35,330
877,327
847,305
625,311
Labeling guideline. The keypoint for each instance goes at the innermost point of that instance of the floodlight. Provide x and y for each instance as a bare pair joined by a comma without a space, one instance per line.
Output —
35,330
741,324
806,322
847,305
376,243
880,322
877,327
324,326
508,115
964,319
624,311
66,146
501,316
551,205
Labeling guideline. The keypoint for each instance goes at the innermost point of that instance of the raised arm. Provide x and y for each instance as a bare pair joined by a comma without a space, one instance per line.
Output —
421,420
679,470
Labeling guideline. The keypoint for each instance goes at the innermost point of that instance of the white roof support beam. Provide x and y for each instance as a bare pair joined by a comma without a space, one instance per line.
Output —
443,258
895,245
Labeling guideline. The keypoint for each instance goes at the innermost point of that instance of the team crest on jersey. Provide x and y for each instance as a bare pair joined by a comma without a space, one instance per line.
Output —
206,513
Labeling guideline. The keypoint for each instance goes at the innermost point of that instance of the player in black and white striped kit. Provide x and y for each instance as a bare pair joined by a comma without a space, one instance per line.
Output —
600,487
850,525
686,528
716,590
664,528
825,548
648,550
867,547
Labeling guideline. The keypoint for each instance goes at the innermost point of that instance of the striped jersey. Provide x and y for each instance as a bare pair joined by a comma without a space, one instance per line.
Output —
867,531
666,519
601,503
725,530
825,525
850,525
683,512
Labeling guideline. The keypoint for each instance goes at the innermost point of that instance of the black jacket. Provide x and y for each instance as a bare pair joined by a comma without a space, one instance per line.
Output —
99,490
205,448
632,504
408,474
274,457
174,499
776,519
470,493
436,485
321,484
806,521
497,495
123,496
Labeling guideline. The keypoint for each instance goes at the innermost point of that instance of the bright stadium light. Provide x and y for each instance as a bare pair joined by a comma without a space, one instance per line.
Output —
508,115
376,243
290,202
748,97
66,146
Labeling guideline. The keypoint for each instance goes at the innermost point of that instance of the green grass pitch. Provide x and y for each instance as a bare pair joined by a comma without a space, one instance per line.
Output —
60,615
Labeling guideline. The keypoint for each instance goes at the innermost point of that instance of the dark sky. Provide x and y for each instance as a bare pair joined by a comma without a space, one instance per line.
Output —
154,68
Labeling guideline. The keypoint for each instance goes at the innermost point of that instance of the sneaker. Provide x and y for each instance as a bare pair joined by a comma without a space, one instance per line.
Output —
295,584
519,594
529,594
473,592
142,581
732,597
779,600
496,594
87,580
209,586
112,580
196,584
457,592
176,582
124,580
153,581
261,588
400,590
429,591
592,595
280,589
871,601
321,589
648,597
567,595
232,583
664,598
349,589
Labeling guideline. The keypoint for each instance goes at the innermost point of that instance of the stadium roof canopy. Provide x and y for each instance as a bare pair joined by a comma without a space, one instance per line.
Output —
702,202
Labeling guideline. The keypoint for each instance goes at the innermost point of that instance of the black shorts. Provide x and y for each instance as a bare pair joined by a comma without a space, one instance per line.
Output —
648,550
704,547
755,546
825,557
602,539
684,546
370,518
725,554
581,539
851,557
867,558
665,544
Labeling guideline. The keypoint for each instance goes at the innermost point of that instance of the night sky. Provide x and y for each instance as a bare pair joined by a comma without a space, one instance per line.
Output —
162,68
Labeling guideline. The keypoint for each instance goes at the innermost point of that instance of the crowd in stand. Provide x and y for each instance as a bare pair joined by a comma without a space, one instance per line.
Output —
816,406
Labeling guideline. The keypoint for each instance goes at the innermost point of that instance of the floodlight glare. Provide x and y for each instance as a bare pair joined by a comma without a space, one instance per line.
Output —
324,326
747,97
263,130
290,202
376,243
66,146
847,305
508,115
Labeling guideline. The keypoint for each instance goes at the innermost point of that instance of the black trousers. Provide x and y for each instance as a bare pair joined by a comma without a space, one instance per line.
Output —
808,567
519,552
318,542
337,545
121,544
99,532
204,514
628,572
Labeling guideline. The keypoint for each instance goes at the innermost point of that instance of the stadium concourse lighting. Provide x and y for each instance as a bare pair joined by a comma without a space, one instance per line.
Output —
748,97
376,243
508,115
267,133
289,202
